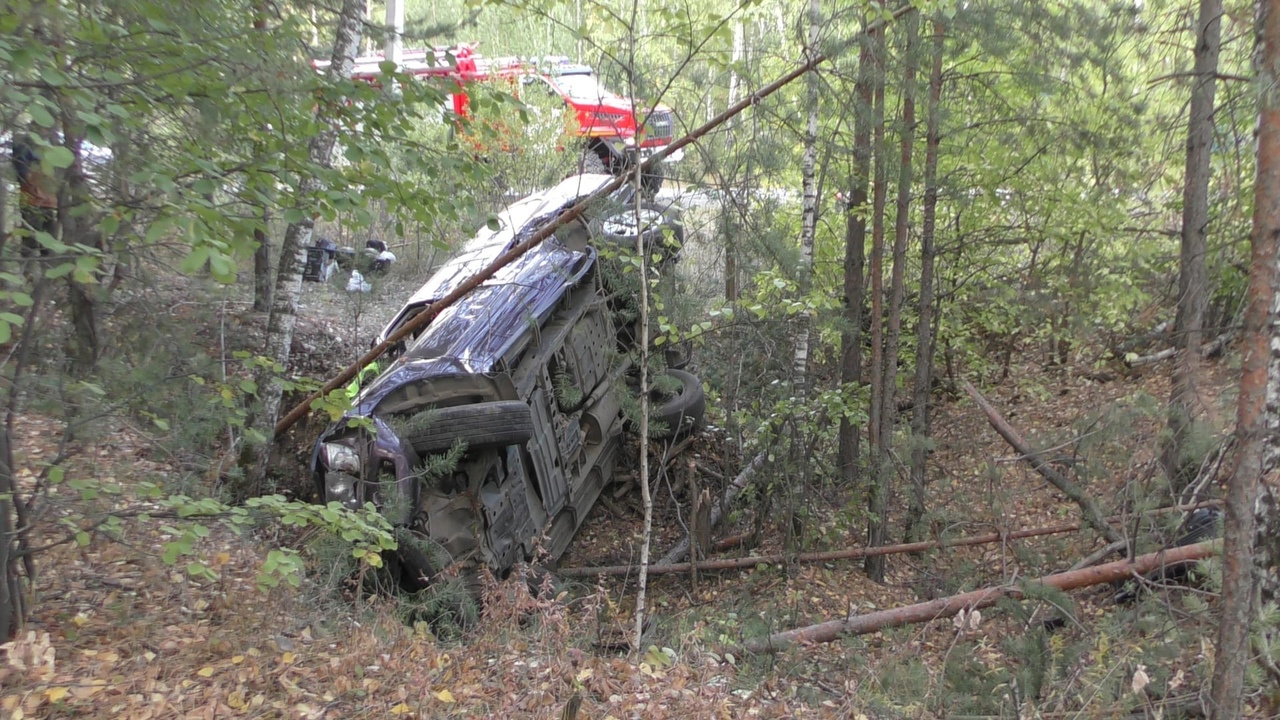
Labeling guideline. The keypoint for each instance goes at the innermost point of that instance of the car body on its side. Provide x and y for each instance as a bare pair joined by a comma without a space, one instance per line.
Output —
521,379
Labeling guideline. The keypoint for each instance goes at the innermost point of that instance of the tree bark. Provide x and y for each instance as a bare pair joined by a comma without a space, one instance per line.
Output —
262,253
1252,421
879,521
646,539
855,261
11,587
804,274
76,219
1092,514
1192,276
730,249
825,556
976,599
284,306
924,329
877,499
262,266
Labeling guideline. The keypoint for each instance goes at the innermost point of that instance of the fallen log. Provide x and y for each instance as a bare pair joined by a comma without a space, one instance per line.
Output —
1092,514
718,513
824,556
861,552
986,597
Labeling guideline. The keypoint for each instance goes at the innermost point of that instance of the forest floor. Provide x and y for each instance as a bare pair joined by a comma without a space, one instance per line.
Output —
116,632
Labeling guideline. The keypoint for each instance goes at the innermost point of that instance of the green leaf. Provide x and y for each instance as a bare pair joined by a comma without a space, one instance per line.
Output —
195,260
110,224
58,157
82,539
40,116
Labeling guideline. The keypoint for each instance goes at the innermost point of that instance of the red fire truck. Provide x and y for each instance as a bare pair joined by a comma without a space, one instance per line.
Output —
604,121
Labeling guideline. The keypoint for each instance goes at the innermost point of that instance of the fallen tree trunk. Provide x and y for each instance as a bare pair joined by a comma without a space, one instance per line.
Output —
986,597
848,554
718,513
1092,514
423,318
855,553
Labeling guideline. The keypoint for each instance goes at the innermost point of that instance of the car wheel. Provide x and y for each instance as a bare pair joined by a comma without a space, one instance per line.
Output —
681,411
454,600
592,164
479,425
660,232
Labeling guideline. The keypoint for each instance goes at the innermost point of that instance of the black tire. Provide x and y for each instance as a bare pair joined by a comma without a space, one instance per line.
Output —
481,425
451,602
682,412
591,163
661,233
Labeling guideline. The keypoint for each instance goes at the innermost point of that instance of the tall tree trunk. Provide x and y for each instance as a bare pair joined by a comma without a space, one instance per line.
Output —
730,250
804,272
284,306
1252,421
1192,276
262,253
11,586
877,501
855,259
262,265
897,291
924,329
75,219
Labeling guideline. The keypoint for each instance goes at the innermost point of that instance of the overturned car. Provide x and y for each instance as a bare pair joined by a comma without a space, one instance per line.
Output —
493,430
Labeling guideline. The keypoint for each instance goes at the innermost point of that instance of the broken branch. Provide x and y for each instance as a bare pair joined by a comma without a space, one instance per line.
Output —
986,597
1092,515
851,553
721,509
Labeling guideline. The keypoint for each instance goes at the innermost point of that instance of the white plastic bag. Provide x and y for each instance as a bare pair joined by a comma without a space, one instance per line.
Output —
357,283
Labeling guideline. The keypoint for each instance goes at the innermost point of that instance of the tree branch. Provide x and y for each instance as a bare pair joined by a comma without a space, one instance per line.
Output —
1088,507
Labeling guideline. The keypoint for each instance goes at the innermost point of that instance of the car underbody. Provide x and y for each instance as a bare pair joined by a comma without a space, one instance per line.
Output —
493,431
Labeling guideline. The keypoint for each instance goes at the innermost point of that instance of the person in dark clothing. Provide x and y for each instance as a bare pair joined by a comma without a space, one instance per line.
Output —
38,199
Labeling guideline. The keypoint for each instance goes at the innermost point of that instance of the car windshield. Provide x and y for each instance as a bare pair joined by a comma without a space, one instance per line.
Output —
583,88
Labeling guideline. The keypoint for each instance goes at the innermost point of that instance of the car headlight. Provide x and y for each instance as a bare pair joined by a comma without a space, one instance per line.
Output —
341,488
341,457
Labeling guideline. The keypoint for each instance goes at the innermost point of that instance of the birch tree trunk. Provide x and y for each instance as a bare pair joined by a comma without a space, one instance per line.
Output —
809,213
878,521
855,259
284,306
804,275
1192,276
924,330
735,85
1252,417
876,499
